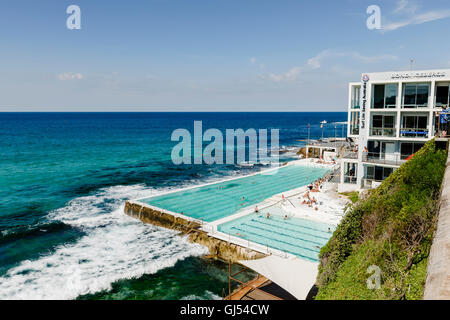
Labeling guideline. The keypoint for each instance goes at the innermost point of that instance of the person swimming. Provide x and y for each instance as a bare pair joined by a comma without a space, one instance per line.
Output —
268,215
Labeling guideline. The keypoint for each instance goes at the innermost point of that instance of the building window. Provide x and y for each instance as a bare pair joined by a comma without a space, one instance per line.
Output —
350,172
384,96
354,123
409,148
355,97
377,173
416,95
414,127
383,125
442,95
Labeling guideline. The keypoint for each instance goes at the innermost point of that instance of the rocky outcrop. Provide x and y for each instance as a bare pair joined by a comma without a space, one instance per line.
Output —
219,249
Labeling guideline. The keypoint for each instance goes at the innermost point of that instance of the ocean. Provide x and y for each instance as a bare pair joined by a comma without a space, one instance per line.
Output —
64,178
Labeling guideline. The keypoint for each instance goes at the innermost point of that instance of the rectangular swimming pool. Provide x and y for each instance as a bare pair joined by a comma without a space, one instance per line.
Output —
299,237
221,199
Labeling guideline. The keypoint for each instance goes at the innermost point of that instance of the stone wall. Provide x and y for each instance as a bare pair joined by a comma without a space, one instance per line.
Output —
437,286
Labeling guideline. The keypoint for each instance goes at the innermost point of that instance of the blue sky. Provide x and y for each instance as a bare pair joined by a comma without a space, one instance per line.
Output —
216,55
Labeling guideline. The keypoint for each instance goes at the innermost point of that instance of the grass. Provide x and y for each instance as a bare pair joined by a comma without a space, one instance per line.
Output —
352,196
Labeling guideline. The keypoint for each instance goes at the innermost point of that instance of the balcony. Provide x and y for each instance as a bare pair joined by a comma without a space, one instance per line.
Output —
442,128
382,132
393,159
414,132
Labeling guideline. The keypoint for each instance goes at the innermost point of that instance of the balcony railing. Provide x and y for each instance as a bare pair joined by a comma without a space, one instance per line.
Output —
349,179
350,155
414,132
385,132
394,159
442,129
371,183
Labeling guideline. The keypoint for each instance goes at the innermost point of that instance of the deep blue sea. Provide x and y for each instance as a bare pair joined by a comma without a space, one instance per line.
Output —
64,178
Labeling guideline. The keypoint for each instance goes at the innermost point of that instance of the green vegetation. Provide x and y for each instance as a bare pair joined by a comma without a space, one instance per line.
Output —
391,228
353,196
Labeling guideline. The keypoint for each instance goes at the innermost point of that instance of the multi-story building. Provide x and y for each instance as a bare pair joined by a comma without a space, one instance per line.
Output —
390,116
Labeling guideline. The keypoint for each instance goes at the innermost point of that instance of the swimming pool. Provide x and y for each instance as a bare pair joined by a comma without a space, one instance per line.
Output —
299,237
215,201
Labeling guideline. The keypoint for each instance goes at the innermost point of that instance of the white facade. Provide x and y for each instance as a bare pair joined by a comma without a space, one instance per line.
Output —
392,114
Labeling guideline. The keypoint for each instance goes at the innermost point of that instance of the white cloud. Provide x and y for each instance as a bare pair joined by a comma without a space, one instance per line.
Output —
252,60
290,75
410,14
69,76
316,63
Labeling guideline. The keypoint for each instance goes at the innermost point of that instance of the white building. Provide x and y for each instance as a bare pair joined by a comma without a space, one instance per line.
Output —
392,114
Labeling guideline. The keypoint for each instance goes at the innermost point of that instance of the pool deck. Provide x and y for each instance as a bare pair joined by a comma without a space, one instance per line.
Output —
290,272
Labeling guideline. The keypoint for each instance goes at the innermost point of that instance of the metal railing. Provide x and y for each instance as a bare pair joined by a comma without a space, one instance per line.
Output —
385,132
370,183
349,179
414,132
385,158
350,155
442,129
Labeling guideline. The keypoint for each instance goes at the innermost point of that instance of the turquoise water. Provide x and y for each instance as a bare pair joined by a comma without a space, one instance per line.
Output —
219,200
299,237
64,178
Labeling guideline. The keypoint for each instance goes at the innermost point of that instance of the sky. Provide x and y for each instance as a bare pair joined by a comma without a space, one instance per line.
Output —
209,55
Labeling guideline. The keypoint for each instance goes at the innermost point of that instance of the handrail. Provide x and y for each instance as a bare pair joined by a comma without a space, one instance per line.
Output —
387,132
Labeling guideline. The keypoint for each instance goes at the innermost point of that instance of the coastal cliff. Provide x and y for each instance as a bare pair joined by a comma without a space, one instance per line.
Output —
389,231
218,249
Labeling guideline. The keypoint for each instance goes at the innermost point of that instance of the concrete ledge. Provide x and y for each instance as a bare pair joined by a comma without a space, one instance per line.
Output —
219,249
437,286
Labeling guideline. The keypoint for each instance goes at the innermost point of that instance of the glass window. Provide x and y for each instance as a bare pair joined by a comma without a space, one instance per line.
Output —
410,95
378,96
391,95
370,172
355,97
416,95
422,122
442,95
386,172
422,95
377,121
406,150
388,121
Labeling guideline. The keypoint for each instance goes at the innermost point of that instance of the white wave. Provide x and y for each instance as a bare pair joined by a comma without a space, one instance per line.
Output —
115,247
208,295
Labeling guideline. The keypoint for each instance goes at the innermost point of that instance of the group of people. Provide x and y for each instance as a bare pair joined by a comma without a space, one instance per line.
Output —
310,201
316,185
321,161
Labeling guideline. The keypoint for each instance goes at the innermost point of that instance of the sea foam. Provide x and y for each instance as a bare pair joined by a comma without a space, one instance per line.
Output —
114,247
